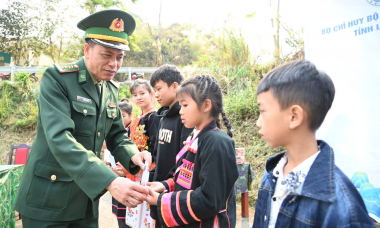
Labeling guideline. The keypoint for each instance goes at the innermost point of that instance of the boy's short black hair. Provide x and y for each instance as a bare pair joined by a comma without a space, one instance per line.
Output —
168,74
299,82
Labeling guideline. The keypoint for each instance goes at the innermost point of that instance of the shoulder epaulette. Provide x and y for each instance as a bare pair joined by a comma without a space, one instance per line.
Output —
115,84
67,68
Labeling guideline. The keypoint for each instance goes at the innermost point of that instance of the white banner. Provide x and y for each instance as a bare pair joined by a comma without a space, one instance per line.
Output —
343,39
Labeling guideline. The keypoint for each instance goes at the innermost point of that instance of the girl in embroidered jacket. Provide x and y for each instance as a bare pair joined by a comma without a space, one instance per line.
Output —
143,131
201,192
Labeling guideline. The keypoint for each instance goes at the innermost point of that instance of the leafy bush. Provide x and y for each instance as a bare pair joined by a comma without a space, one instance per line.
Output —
23,79
18,105
124,91
242,104
5,102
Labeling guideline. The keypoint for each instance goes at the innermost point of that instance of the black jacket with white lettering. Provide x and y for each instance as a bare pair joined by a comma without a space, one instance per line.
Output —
171,135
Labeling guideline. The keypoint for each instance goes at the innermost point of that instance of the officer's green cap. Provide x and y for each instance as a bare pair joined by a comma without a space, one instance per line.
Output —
109,28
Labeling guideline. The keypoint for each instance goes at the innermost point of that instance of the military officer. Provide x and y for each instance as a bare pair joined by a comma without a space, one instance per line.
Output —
64,178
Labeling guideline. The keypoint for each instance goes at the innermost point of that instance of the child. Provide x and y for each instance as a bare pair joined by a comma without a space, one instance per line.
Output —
172,133
302,187
118,209
201,192
126,112
143,132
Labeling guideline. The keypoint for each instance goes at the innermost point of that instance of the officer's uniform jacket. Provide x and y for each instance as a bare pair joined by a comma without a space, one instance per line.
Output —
63,171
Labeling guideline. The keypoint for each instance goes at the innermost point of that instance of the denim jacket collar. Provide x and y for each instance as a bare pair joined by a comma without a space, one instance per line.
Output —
319,183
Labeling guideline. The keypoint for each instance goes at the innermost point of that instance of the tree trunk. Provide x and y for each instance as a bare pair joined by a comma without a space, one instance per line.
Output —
51,49
159,21
17,62
276,36
60,49
278,30
159,47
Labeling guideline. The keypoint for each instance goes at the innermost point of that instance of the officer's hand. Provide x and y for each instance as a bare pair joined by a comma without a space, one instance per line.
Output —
140,158
127,192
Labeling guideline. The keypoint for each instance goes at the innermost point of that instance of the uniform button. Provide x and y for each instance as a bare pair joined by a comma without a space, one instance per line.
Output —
85,111
113,114
274,180
100,116
96,153
53,177
98,134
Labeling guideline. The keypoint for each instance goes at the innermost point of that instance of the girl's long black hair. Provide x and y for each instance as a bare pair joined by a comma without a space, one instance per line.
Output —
203,87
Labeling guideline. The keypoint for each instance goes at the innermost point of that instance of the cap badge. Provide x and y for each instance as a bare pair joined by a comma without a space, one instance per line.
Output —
117,25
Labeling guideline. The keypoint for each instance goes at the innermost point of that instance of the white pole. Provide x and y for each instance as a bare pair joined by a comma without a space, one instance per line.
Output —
129,73
12,73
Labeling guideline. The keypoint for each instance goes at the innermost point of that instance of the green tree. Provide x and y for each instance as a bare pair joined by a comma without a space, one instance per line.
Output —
74,48
93,5
54,28
174,47
16,30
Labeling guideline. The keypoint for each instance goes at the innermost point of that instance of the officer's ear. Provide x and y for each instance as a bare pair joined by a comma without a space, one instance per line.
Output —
87,49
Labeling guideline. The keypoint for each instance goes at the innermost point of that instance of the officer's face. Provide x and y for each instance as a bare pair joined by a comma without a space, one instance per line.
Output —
103,62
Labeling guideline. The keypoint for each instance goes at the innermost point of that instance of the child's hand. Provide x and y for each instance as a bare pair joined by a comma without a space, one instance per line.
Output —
156,186
152,198
107,163
119,170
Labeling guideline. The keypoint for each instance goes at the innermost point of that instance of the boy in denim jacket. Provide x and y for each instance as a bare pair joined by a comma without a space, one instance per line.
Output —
302,187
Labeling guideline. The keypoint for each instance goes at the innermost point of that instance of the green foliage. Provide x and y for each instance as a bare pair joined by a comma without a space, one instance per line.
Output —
18,105
16,29
5,102
174,47
23,79
251,15
28,113
242,104
74,49
92,5
124,91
